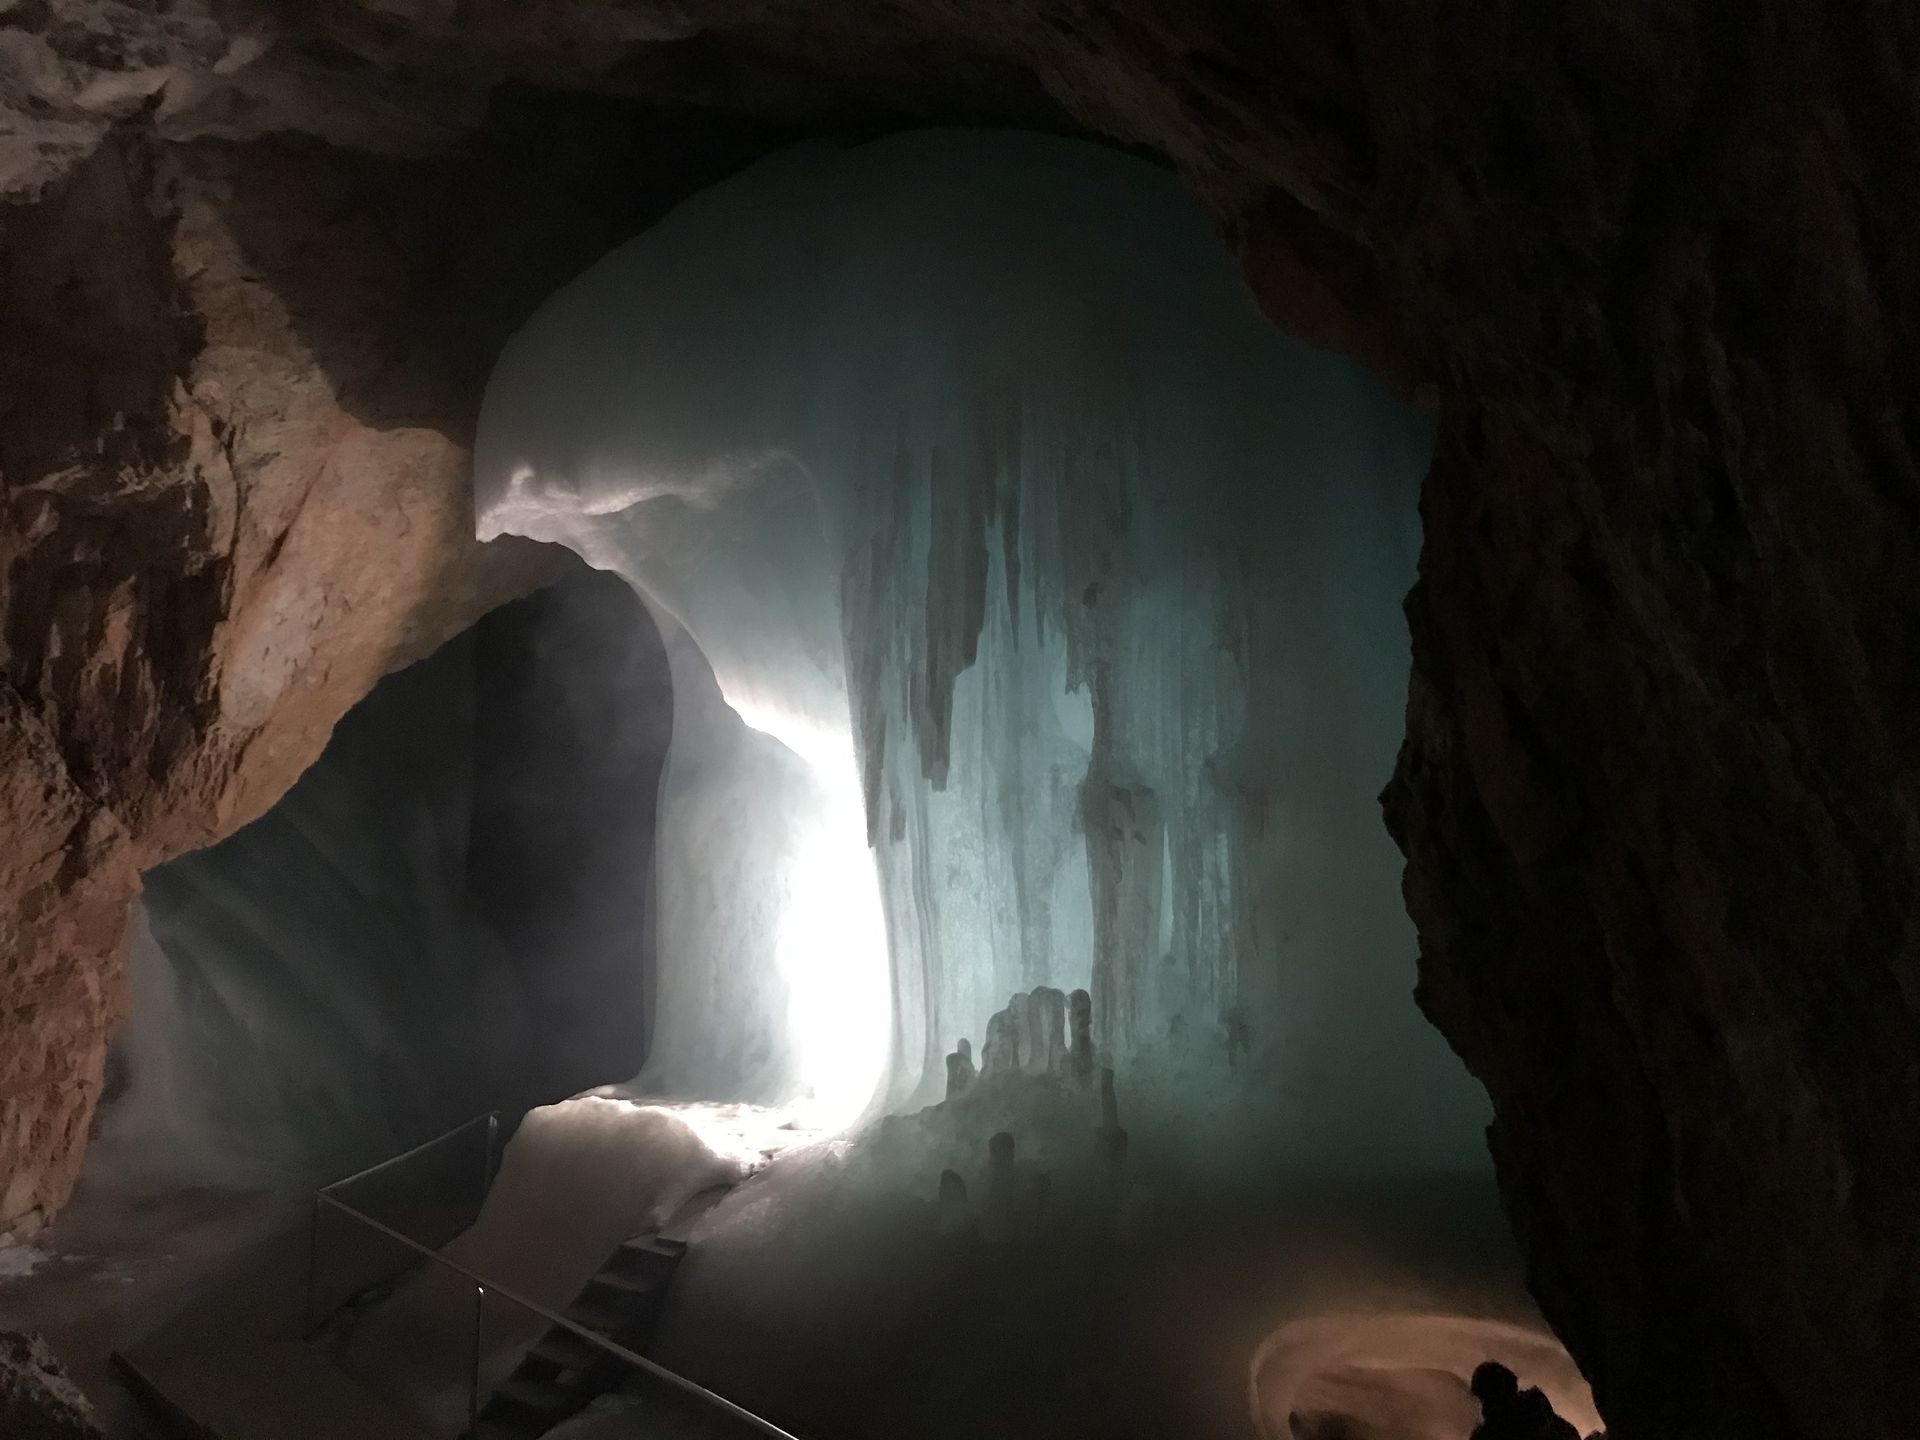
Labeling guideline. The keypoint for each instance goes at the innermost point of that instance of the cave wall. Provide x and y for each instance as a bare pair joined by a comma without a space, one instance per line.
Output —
1659,795
1651,264
239,385
207,560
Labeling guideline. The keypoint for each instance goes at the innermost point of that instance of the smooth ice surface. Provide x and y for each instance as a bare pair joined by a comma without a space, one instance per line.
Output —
308,991
446,914
1029,556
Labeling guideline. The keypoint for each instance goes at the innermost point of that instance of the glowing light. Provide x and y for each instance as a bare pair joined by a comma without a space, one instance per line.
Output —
831,950
1401,1373
744,1135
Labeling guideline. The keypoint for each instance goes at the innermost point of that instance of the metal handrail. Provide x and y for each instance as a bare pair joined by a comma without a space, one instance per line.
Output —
491,1119
325,1196
482,1286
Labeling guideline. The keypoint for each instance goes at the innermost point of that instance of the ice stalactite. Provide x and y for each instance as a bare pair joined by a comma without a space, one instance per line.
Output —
1071,586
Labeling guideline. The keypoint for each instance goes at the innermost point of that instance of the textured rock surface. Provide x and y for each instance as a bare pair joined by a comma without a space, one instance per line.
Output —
238,384
1660,793
37,1400
207,559
1661,790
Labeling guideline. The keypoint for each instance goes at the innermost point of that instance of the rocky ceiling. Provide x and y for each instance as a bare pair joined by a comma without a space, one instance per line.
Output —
1652,261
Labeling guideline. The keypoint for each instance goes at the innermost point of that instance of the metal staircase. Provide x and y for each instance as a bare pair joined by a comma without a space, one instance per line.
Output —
564,1372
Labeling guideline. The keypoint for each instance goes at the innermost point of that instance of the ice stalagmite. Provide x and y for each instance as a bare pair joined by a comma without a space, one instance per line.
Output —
1054,600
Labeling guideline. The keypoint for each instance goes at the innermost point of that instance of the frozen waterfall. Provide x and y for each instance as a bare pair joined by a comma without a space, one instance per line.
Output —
1035,613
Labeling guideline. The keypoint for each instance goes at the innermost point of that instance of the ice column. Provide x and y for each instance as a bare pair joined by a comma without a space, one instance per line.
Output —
1066,586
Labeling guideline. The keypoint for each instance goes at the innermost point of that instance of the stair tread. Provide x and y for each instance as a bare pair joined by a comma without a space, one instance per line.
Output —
601,1318
626,1284
567,1350
610,1305
512,1425
655,1245
532,1393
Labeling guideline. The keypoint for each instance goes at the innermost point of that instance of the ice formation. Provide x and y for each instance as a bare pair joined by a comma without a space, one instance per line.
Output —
306,992
1057,599
390,950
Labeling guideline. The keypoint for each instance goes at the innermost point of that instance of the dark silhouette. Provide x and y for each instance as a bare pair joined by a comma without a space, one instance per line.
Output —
1509,1413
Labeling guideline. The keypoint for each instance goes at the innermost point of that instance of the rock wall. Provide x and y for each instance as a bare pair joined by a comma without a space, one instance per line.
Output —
207,559
239,381
1661,791
1660,794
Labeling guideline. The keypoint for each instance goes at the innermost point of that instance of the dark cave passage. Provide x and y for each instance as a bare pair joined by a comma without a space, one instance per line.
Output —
447,914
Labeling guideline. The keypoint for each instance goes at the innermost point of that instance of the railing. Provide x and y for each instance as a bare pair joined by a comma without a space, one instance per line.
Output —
449,1335
430,1193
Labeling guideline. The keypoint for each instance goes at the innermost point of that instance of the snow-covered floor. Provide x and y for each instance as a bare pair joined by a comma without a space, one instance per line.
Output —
827,1290
577,1179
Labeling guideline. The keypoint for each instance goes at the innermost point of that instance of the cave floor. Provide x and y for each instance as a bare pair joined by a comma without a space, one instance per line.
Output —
829,1290
116,1264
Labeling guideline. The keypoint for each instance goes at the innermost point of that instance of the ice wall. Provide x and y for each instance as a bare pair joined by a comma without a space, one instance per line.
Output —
308,993
446,914
573,714
1071,586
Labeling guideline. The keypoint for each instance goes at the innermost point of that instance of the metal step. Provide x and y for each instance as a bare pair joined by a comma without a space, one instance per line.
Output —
565,1350
543,1397
562,1372
652,1247
627,1285
601,1316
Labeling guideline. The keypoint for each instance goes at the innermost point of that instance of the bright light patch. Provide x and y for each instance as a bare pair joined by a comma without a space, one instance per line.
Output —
832,952
831,945
746,1135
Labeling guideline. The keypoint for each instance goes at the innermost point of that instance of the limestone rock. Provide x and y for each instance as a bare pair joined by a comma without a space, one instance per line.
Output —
207,558
68,878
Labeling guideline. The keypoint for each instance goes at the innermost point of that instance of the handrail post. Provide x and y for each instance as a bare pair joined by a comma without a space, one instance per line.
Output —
348,1213
598,1341
473,1373
313,1267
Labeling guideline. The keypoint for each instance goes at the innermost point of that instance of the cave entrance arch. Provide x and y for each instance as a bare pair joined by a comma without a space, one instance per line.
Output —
1045,606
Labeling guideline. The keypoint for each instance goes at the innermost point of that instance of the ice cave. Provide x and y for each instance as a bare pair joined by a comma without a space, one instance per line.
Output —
939,819
839,728
1035,625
